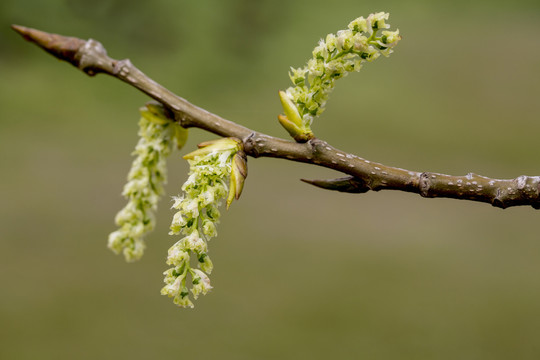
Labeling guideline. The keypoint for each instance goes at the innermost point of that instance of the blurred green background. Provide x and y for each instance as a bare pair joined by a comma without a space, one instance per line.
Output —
300,273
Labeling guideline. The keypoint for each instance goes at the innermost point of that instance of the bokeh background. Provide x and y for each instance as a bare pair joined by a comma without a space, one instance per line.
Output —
300,273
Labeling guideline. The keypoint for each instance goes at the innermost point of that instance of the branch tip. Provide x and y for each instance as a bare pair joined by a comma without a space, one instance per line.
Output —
63,47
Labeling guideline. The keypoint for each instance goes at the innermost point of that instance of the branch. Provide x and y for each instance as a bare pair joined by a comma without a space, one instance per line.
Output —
91,57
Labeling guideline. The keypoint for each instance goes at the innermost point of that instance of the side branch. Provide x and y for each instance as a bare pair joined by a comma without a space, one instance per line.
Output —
91,57
522,190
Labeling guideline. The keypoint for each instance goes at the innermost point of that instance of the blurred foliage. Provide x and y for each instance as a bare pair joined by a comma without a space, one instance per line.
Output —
378,276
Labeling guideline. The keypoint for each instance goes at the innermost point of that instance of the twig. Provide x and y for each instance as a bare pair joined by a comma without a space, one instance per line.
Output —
91,57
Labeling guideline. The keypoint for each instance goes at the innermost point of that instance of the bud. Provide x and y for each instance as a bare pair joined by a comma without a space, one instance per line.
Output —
238,175
155,112
207,147
292,121
291,111
180,135
298,134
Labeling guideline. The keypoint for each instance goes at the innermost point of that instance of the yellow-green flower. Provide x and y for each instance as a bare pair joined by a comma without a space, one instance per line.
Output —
333,58
212,166
145,182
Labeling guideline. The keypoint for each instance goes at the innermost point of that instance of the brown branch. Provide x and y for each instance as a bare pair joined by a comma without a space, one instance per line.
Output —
91,57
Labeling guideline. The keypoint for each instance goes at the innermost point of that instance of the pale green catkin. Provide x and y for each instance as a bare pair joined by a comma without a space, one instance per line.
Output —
145,185
196,220
334,57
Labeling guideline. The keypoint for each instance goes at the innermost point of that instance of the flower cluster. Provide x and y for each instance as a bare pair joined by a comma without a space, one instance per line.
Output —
333,58
145,182
198,215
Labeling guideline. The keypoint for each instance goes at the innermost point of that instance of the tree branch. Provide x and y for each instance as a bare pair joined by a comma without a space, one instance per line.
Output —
91,57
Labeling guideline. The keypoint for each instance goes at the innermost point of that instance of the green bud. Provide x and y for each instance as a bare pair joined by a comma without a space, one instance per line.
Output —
208,147
155,112
292,121
291,111
180,135
299,134
238,175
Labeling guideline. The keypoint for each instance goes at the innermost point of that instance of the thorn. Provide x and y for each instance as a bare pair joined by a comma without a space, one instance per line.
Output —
347,184
62,47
